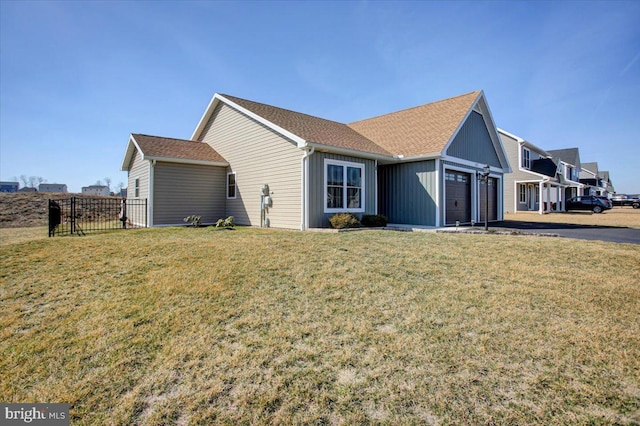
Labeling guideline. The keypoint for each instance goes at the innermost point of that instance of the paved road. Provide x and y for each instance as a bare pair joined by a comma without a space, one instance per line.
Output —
582,232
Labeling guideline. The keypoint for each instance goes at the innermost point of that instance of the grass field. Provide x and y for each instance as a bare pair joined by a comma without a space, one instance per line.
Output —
201,326
618,216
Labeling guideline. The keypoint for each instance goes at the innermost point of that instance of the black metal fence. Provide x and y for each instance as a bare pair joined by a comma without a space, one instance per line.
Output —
80,215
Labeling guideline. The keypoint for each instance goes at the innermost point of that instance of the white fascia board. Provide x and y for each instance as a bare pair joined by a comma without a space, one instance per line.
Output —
350,152
205,117
186,161
219,98
511,135
535,148
403,159
473,164
131,146
535,174
497,142
455,133
485,112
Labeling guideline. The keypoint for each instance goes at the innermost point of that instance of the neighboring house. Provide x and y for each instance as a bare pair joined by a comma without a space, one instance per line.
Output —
418,166
28,189
606,183
534,183
52,187
96,190
595,182
9,186
569,170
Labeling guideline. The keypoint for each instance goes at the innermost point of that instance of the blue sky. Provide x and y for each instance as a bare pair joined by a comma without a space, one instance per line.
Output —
77,77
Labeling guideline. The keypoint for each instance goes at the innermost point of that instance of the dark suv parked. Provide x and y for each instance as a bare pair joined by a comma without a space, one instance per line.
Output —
588,202
622,200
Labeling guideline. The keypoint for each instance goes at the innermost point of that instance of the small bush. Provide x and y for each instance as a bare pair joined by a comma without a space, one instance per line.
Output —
344,220
226,223
374,220
194,220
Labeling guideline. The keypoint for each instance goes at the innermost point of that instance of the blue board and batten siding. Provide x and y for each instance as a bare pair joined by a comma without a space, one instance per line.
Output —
474,143
407,192
317,217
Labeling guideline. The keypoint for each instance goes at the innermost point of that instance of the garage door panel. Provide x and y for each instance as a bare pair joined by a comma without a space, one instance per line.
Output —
493,199
458,197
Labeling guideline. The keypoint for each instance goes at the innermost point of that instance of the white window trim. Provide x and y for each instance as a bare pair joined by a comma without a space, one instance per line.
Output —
136,187
235,185
345,164
522,165
522,188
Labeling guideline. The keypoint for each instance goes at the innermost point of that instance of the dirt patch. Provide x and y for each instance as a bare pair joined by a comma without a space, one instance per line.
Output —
20,210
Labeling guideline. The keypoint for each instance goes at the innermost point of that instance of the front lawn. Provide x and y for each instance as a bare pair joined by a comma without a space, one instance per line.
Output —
201,326
618,216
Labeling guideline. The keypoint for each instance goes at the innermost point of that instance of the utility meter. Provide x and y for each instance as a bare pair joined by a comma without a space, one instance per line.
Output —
265,189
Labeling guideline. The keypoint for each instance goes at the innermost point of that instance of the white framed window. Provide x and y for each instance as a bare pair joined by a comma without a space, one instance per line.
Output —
231,185
343,187
526,158
522,190
137,188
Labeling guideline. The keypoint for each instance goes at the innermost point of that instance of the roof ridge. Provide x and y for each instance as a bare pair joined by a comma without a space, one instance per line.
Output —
165,137
415,107
283,109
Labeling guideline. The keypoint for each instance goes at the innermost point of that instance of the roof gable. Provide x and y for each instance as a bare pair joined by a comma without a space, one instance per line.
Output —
568,155
422,131
425,129
312,129
171,150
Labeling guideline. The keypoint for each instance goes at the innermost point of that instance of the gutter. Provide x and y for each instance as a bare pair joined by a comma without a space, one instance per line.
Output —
304,164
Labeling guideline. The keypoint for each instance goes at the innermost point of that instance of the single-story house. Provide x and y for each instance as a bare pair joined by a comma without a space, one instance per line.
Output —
267,165
52,187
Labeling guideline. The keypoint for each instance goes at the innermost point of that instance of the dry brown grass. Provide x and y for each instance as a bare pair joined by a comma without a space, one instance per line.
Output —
196,326
618,216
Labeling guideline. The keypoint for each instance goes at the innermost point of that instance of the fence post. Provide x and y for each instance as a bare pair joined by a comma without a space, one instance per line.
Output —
123,213
146,210
72,219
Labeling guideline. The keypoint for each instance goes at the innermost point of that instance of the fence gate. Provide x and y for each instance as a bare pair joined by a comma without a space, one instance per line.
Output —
80,215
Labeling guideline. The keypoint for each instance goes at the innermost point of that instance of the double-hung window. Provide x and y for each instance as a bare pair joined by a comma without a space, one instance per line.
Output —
137,188
344,186
526,158
522,190
231,185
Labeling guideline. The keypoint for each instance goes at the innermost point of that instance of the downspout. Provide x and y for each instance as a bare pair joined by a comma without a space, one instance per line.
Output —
375,186
309,150
438,183
152,164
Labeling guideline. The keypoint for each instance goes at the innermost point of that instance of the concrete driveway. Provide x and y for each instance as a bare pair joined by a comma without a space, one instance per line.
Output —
582,232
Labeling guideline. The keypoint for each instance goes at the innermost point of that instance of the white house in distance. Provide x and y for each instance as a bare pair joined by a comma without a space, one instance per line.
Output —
96,190
52,187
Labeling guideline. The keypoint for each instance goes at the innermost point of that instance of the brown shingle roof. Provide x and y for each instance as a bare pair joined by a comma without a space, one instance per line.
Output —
424,129
312,129
156,146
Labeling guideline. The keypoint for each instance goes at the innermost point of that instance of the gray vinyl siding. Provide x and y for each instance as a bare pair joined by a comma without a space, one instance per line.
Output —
473,142
408,192
258,156
138,169
182,190
317,217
